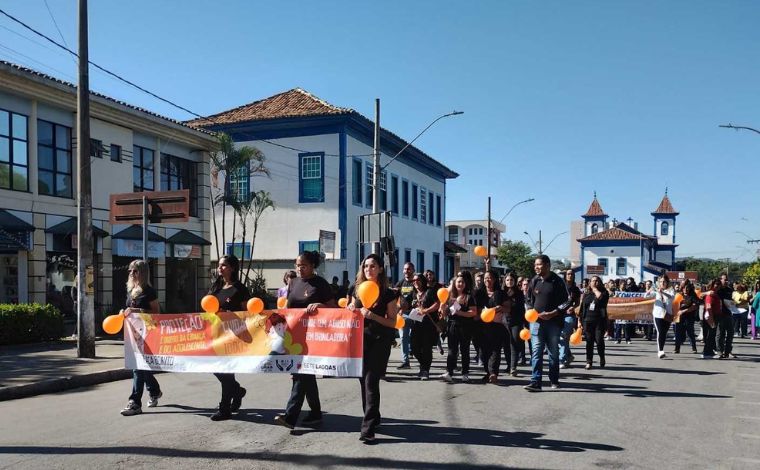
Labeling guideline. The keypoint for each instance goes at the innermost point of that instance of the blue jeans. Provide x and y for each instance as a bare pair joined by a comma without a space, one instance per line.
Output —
405,333
545,334
142,379
565,353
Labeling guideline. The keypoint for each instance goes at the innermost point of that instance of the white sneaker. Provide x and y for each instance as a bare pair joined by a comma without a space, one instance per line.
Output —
131,409
446,377
153,401
661,354
465,378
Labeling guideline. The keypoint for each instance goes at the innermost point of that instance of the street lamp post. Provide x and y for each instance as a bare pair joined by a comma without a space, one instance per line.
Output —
539,245
512,208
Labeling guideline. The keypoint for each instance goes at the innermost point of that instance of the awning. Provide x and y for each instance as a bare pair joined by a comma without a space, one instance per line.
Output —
135,232
10,222
186,237
451,247
70,227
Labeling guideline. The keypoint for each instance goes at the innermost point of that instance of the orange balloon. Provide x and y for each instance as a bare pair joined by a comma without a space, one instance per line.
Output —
698,292
525,334
400,322
577,337
210,304
677,302
282,302
480,251
531,315
255,305
487,314
368,292
443,294
342,302
113,324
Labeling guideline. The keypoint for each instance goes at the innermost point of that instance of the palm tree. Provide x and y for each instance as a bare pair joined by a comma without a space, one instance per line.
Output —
254,207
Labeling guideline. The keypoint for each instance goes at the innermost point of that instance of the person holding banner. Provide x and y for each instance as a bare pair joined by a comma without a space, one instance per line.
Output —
459,310
663,312
594,319
232,296
141,298
379,332
311,292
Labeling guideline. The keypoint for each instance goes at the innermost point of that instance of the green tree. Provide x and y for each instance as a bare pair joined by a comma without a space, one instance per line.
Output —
252,208
751,275
517,256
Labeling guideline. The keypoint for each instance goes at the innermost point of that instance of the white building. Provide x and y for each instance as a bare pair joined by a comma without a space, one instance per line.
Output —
471,233
132,150
320,158
615,250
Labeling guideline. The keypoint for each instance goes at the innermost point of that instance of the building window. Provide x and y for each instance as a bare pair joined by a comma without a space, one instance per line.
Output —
594,228
142,169
394,194
431,209
405,198
420,261
603,262
368,176
480,231
621,267
54,159
239,187
407,255
311,181
357,180
664,228
436,264
453,235
241,250
14,151
115,153
423,205
383,191
179,173
414,201
438,211
96,148
309,245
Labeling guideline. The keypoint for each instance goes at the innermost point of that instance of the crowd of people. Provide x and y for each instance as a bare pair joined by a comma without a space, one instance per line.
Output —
559,303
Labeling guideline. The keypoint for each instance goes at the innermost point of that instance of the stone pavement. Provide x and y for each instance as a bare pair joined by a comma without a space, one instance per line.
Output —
34,369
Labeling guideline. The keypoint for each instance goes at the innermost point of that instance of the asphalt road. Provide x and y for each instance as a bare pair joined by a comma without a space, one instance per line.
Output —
638,412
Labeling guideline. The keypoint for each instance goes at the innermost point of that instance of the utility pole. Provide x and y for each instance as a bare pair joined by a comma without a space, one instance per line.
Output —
85,270
540,244
376,171
488,241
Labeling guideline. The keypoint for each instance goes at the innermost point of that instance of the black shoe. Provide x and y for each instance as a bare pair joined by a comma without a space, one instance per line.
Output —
312,419
677,351
221,415
367,438
280,419
533,387
602,362
237,400
404,365
485,379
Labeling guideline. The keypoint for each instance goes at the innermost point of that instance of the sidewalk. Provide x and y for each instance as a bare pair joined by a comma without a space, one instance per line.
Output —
35,369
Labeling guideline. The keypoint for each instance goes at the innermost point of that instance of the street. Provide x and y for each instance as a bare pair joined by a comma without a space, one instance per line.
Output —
638,412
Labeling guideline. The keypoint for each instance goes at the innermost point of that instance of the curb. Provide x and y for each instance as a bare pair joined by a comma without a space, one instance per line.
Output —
64,383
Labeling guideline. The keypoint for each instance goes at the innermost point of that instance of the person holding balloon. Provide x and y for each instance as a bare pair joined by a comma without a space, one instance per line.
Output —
405,289
231,295
594,319
377,304
515,299
425,332
458,308
494,330
311,292
141,298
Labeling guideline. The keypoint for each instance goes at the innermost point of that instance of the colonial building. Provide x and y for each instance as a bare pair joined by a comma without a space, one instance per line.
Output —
320,159
615,250
132,150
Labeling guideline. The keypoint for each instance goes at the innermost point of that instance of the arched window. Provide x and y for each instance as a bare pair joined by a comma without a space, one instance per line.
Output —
664,228
594,228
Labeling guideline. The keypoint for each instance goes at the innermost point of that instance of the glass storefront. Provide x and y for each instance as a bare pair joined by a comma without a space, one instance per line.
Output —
61,282
8,278
181,285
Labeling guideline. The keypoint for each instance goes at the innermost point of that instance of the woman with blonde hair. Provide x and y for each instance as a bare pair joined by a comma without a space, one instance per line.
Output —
141,298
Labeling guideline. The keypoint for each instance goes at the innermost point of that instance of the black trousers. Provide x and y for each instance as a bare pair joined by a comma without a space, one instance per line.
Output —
725,326
516,346
594,331
708,335
424,337
495,335
304,386
662,326
478,340
459,335
683,328
376,353
230,387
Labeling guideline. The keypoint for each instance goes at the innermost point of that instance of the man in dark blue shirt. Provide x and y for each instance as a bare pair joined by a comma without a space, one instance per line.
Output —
548,295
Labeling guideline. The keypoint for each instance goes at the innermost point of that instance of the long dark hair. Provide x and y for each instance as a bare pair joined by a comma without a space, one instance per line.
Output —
234,264
453,293
382,279
514,290
495,276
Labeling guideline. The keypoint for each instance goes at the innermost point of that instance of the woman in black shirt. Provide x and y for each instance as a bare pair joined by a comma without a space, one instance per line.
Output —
425,332
495,332
688,312
460,311
514,302
310,292
594,319
379,332
232,295
141,298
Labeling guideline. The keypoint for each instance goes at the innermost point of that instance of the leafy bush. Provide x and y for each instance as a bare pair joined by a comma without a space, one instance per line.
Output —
29,323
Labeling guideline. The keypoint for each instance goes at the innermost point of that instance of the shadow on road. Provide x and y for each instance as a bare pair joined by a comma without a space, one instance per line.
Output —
630,390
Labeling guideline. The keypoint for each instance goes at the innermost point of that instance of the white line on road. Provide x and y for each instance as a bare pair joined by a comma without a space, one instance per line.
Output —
748,391
749,436
747,417
748,402
745,460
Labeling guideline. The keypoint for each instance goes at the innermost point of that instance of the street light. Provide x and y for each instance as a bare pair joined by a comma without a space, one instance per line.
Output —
510,210
535,245
731,126
555,237
539,245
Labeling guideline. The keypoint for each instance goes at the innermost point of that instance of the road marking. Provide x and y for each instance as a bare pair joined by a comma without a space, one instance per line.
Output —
750,383
748,391
747,417
749,436
745,460
748,402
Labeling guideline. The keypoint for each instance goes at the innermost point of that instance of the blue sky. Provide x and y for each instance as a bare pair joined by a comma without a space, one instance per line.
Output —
561,99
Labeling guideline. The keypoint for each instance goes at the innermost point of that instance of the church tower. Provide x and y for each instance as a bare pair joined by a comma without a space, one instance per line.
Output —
665,232
594,219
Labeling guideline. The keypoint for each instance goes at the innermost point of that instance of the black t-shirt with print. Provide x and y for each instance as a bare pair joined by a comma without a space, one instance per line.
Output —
406,291
232,298
517,312
143,299
302,292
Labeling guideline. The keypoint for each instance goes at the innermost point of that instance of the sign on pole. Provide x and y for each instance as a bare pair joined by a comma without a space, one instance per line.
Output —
327,242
